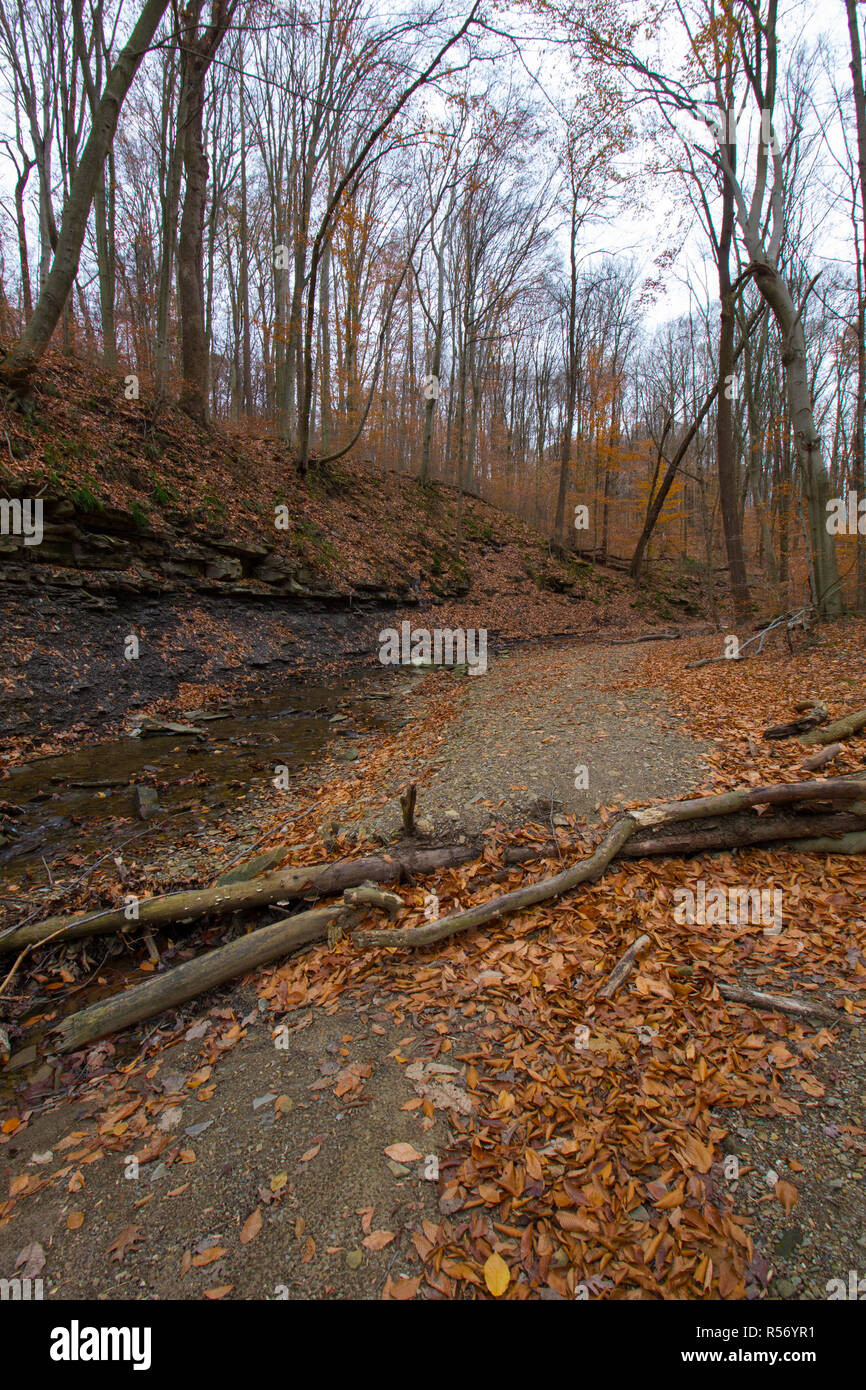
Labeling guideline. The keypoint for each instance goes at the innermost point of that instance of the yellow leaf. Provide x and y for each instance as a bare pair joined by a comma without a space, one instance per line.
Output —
74,1220
497,1275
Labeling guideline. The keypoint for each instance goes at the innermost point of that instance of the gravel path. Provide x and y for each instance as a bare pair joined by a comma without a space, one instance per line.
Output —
523,731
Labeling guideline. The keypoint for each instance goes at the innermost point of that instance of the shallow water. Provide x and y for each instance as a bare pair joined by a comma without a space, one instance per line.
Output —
48,812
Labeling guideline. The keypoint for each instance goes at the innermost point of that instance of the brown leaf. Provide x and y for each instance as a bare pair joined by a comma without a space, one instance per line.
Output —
251,1226
377,1240
403,1153
207,1257
128,1238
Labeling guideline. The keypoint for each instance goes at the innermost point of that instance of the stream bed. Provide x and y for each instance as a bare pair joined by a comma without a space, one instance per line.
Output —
77,803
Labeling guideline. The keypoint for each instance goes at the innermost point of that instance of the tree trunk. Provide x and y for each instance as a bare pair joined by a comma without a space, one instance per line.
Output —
859,478
816,484
190,243
726,387
21,228
20,363
320,879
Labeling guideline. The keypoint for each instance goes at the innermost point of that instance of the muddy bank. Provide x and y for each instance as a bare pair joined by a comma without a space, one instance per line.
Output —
70,671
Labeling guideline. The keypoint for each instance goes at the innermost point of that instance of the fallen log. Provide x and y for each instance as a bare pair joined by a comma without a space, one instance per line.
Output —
173,908
193,977
671,636
623,968
821,759
799,1008
817,715
259,947
711,661
737,831
699,808
843,728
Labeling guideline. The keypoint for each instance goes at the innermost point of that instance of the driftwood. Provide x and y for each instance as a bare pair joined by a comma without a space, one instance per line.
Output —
623,968
704,807
281,884
818,714
821,759
671,636
737,831
193,977
799,1008
368,895
843,728
268,943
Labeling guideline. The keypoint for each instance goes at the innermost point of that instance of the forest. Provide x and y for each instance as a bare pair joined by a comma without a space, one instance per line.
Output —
399,235
380,918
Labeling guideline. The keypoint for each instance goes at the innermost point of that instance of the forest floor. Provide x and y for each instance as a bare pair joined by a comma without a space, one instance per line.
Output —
394,1124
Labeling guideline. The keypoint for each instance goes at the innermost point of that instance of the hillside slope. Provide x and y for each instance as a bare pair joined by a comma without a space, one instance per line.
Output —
208,546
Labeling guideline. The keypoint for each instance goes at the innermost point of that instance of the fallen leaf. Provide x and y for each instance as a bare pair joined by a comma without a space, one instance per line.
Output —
497,1275
251,1226
377,1240
403,1153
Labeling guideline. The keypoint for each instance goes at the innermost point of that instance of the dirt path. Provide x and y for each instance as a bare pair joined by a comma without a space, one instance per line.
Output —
547,731
309,1132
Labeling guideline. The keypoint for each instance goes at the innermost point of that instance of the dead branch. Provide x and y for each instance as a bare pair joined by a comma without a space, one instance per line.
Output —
843,728
737,831
407,808
799,1008
821,759
671,636
375,897
801,618
623,968
280,884
704,807
193,977
818,714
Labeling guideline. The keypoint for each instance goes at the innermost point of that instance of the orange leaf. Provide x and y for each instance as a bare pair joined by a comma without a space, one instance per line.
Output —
403,1153
251,1226
377,1240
